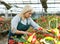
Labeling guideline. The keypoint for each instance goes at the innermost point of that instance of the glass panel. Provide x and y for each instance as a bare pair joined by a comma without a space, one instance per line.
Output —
53,5
9,1
34,1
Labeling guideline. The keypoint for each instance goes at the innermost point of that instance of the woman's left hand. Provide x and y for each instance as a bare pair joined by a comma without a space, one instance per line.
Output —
42,30
29,34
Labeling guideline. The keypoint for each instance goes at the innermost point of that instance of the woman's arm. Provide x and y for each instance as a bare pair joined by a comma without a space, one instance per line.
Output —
34,24
20,32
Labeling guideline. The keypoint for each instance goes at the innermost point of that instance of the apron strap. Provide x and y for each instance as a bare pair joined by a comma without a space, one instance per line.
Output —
26,20
20,19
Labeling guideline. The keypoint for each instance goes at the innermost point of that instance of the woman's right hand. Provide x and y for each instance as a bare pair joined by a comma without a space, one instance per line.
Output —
29,34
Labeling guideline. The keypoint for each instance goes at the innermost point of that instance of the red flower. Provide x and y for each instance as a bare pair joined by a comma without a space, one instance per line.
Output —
52,31
38,33
43,20
11,41
33,40
39,38
59,27
59,31
58,36
46,35
20,43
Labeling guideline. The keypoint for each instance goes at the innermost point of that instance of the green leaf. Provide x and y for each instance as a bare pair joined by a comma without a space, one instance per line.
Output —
19,39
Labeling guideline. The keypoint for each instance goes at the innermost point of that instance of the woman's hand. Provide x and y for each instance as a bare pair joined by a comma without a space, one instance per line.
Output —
42,30
29,34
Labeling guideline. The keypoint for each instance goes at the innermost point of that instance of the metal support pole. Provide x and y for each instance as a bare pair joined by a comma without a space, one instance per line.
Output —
6,13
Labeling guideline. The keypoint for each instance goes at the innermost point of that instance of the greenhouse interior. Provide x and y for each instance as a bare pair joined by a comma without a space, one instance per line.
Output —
39,22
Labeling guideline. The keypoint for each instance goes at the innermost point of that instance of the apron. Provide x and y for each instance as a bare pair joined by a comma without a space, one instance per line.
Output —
20,27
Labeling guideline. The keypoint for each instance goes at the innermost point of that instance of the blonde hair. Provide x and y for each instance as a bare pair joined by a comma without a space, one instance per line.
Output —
26,9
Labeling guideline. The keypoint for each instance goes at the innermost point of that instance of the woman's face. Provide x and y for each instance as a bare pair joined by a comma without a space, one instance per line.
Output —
28,14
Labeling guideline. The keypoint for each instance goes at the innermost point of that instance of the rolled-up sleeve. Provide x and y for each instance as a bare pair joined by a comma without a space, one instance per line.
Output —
34,24
14,23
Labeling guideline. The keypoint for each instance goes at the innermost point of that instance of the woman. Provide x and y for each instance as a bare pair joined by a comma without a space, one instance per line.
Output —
20,24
